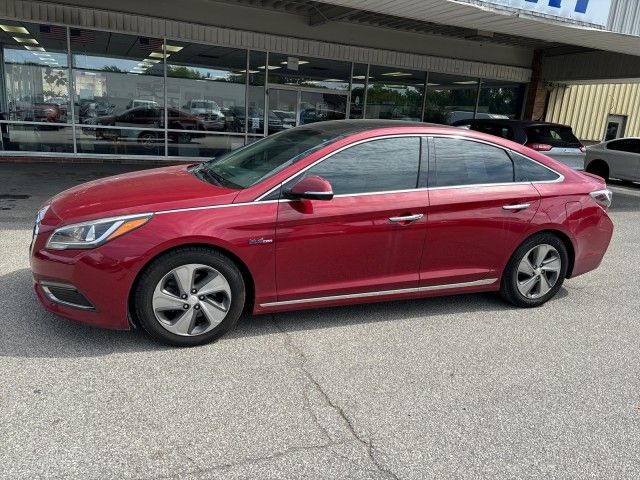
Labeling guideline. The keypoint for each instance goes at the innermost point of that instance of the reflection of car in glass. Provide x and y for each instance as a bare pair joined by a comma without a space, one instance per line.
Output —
38,109
619,158
208,111
305,219
151,118
142,103
555,141
313,115
458,115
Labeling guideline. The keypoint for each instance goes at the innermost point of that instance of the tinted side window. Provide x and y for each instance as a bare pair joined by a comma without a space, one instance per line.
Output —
464,162
628,145
529,171
375,166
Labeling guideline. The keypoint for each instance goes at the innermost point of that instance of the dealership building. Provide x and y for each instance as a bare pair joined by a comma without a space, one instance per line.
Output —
86,80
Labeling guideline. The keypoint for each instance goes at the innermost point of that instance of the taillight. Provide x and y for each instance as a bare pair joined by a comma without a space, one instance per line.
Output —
539,147
602,197
583,148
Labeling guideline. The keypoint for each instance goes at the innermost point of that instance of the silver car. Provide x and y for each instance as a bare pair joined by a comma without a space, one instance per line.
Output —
619,158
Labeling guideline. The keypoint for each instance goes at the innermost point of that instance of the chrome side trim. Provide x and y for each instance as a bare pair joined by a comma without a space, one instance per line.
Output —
430,288
209,207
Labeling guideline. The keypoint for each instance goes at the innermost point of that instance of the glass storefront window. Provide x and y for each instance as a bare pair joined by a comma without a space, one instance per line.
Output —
395,94
256,93
450,98
358,81
119,93
500,99
28,137
36,73
207,85
203,144
308,72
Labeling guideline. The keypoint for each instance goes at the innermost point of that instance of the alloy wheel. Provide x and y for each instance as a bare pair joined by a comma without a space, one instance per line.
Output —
539,271
191,299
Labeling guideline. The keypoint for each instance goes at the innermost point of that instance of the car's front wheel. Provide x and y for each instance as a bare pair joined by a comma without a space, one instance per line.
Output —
535,271
189,297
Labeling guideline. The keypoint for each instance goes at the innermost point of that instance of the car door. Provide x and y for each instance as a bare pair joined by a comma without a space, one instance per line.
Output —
477,211
369,237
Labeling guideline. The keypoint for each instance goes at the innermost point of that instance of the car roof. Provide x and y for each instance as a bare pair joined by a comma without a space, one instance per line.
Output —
350,127
508,121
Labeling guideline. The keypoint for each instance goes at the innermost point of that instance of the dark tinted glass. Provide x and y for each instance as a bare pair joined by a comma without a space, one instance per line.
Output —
503,131
246,166
529,171
628,145
556,136
376,166
464,162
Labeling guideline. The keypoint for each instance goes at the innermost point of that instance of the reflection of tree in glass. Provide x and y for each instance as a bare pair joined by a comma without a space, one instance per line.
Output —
112,68
54,78
407,100
500,100
194,74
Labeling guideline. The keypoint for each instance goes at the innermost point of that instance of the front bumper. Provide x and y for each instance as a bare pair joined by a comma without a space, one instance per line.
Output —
101,281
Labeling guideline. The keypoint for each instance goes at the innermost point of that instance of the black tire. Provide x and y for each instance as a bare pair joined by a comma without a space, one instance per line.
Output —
599,168
159,268
509,288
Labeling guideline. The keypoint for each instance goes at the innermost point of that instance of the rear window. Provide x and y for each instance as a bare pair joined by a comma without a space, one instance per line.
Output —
494,129
556,136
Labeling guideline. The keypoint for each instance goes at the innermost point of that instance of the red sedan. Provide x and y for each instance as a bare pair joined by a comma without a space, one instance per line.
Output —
330,213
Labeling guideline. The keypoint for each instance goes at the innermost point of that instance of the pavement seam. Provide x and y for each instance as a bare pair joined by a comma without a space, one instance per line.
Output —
301,360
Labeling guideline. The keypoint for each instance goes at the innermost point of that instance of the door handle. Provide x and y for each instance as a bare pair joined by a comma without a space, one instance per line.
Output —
408,218
521,206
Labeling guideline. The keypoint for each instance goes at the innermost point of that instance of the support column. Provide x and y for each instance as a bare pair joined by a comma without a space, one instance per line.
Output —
537,96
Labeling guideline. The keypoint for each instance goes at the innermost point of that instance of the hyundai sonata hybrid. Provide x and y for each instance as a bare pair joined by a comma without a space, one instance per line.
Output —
326,214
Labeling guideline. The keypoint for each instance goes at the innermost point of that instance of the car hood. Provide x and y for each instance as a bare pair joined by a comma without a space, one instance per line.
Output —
153,190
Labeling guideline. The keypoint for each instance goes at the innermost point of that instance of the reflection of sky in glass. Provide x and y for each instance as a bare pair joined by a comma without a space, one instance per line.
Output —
376,166
91,62
206,73
47,58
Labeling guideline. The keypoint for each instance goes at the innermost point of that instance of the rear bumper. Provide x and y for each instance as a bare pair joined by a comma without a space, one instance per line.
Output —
594,231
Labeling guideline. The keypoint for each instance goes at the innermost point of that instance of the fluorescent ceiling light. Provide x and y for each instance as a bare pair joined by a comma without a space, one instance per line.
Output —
38,49
33,41
333,80
300,62
467,82
250,71
158,55
150,60
271,67
397,74
14,29
173,48
359,77
432,84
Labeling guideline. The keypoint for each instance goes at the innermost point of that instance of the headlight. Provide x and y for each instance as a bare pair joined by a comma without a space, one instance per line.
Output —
39,217
95,233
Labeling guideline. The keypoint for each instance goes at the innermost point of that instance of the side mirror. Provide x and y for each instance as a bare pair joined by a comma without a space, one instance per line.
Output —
310,188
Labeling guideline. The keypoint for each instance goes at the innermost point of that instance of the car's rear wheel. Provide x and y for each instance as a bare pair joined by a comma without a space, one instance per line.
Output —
189,297
599,168
147,139
535,271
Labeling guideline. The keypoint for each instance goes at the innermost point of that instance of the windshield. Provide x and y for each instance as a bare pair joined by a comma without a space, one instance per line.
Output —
250,164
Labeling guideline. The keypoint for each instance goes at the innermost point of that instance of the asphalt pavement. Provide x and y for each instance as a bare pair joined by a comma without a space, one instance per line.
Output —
454,387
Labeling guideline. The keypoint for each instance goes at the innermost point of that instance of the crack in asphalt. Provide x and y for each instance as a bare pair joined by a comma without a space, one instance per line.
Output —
248,461
301,360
